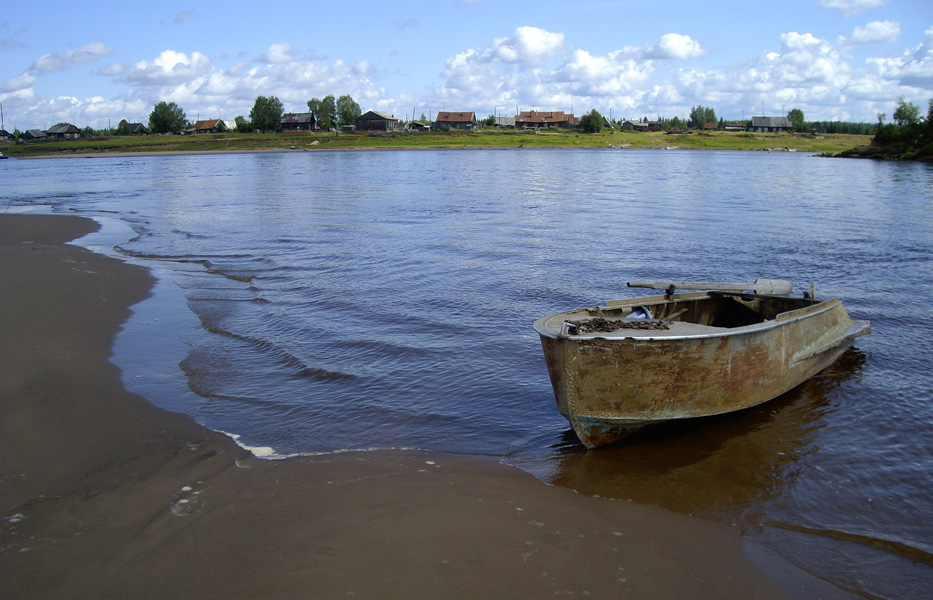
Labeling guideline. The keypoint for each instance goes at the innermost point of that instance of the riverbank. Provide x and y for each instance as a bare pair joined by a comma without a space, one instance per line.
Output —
104,495
483,139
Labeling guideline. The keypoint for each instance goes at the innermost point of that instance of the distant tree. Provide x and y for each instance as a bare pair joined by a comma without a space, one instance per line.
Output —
242,125
592,122
700,115
123,128
314,107
325,111
906,113
328,109
795,116
167,117
348,111
266,114
696,116
489,121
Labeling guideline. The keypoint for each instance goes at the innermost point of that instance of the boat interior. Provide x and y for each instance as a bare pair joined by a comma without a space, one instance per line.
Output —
713,309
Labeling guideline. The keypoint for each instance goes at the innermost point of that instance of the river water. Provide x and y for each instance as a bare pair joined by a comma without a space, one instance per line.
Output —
314,302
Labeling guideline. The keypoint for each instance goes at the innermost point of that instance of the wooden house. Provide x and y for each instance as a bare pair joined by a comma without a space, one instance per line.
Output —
376,121
208,126
455,120
532,119
298,122
771,124
138,129
34,135
64,131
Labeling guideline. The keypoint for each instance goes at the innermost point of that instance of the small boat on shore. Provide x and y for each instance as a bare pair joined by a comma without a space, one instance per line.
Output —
627,364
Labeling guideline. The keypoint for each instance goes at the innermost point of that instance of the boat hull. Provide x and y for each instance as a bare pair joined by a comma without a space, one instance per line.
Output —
611,385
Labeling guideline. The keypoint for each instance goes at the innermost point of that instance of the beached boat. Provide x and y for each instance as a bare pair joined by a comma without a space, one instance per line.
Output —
628,364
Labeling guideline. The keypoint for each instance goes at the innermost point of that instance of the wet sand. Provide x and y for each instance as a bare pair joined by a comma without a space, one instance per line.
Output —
103,495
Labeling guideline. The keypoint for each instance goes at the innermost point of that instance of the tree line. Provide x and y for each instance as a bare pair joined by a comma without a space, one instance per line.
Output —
908,137
266,115
333,113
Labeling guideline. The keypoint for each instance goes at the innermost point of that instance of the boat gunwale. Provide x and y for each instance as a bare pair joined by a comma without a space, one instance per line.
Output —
780,320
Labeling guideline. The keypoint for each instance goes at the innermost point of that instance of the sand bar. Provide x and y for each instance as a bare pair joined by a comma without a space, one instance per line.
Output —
104,496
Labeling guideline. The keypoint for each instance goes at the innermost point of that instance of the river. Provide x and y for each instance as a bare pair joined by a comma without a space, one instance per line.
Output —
314,302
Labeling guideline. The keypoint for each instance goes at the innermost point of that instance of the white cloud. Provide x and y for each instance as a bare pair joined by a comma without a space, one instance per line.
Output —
49,63
276,54
21,82
674,46
876,32
539,68
853,7
529,45
167,68
914,68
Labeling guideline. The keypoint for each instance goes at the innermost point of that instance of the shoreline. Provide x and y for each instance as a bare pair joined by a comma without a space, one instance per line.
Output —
105,495
149,153
236,143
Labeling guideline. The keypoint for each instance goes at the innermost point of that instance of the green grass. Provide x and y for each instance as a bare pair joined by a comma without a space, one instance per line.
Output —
248,142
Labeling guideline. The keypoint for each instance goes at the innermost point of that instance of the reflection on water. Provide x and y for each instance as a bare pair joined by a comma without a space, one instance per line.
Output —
719,467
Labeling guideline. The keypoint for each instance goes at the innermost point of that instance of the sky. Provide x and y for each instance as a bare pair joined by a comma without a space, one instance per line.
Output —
94,64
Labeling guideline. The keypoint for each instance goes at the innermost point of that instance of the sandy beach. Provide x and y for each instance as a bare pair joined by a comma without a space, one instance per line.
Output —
105,496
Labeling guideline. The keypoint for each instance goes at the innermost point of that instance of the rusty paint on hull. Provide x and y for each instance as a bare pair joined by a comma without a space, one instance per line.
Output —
611,384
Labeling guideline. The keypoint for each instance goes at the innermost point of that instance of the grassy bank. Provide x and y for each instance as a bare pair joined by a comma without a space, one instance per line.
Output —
239,142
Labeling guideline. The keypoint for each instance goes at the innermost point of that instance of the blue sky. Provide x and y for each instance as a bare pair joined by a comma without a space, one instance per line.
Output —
94,64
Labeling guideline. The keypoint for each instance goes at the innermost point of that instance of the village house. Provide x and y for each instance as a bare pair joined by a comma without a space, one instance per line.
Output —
532,119
634,126
6,136
208,126
298,122
138,129
771,124
34,135
376,121
63,131
455,120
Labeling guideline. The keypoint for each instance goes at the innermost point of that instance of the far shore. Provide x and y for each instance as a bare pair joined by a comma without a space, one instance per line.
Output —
236,143
105,496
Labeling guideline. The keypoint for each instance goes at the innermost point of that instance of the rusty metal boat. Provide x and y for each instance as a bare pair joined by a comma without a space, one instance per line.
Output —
627,364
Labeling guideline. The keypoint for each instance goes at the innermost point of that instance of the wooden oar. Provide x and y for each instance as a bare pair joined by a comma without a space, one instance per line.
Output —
761,286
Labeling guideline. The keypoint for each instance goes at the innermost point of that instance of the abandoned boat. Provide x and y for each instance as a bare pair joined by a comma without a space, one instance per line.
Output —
631,363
